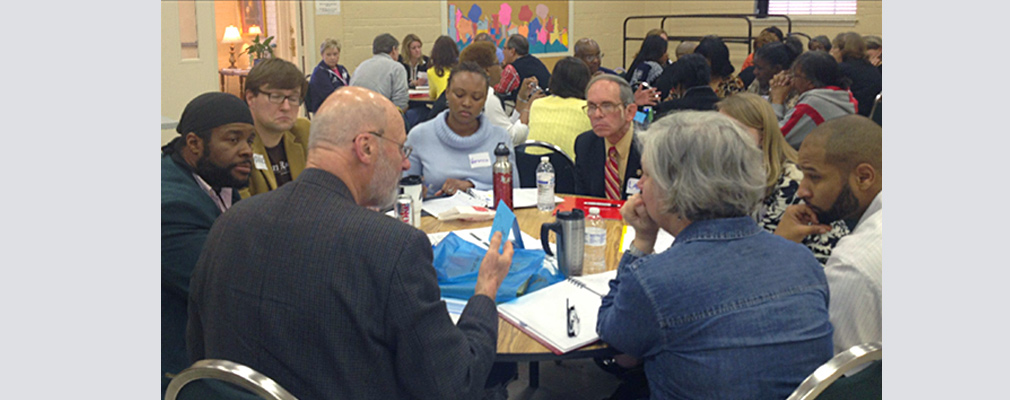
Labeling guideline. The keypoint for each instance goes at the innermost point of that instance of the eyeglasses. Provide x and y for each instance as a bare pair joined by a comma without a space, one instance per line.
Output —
606,107
404,150
591,58
277,98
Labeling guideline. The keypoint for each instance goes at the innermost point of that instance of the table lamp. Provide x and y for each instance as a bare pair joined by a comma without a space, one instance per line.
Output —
255,30
232,36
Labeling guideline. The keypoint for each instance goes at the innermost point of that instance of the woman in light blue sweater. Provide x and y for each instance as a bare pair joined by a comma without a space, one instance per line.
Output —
455,150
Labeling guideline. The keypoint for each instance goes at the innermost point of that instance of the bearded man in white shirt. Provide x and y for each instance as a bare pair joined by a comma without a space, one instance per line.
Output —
842,180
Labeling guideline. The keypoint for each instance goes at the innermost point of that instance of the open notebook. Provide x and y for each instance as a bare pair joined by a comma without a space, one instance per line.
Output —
543,314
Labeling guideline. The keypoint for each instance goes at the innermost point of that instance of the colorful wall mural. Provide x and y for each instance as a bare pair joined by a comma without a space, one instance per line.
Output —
544,23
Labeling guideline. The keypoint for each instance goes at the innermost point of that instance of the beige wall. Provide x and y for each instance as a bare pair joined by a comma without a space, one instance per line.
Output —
360,21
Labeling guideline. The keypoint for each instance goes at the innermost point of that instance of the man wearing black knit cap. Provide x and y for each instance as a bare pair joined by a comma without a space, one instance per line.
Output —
201,174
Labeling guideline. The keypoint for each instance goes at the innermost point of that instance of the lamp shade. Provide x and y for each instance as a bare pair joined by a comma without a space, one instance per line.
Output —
232,35
255,30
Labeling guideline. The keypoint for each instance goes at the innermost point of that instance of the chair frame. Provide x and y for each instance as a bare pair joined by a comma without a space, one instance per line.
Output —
231,372
837,366
876,105
548,146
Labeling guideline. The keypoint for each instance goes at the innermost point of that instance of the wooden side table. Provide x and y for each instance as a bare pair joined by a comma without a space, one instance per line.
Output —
240,73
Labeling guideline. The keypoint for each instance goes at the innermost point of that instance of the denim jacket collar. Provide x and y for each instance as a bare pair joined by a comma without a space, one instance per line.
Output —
718,229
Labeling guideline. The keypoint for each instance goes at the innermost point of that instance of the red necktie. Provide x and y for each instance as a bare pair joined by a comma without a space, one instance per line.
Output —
613,183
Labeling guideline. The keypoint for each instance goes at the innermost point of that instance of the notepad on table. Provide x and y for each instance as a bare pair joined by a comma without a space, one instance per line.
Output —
544,316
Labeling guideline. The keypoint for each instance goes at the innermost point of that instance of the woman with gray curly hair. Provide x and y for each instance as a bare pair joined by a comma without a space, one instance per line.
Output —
729,310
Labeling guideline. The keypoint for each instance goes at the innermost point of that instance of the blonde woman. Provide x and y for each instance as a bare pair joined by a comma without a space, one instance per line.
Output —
783,176
414,61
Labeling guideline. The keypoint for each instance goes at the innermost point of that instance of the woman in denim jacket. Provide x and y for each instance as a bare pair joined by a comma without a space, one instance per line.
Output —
729,311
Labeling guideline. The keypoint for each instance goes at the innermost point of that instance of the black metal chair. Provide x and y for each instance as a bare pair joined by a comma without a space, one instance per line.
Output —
225,380
564,167
827,381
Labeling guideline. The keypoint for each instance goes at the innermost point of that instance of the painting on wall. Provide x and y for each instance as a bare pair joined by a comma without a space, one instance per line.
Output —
252,15
544,23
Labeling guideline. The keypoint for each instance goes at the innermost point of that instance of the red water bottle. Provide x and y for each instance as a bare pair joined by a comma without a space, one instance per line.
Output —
502,175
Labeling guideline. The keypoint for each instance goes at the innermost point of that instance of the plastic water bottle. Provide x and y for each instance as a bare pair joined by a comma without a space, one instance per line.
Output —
545,185
594,260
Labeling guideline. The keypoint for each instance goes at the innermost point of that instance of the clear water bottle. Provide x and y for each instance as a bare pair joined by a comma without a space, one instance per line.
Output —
594,260
545,185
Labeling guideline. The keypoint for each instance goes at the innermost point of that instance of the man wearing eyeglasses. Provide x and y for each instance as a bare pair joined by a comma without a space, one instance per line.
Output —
274,91
607,160
309,286
588,50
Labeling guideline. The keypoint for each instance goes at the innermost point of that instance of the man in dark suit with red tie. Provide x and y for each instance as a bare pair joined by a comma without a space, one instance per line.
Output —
608,161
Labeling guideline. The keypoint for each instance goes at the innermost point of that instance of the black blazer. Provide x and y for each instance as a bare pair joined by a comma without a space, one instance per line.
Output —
590,159
333,300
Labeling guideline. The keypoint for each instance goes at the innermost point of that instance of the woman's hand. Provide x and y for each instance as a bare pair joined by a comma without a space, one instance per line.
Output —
780,86
646,96
452,185
646,229
525,88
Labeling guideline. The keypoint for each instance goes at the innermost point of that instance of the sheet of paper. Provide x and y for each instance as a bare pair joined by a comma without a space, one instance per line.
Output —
663,240
598,283
441,204
504,218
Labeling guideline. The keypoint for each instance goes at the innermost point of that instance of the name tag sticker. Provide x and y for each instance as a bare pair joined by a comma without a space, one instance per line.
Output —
480,160
260,161
633,186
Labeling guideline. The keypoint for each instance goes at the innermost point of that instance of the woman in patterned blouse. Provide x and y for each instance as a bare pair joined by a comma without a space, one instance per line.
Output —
783,176
724,83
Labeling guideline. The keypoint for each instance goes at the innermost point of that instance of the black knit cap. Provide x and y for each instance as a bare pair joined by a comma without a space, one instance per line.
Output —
211,110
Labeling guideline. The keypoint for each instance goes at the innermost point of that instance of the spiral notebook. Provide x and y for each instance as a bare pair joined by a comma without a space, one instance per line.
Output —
544,314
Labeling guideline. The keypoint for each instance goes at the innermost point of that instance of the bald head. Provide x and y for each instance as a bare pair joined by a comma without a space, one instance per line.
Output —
685,48
586,46
348,112
848,141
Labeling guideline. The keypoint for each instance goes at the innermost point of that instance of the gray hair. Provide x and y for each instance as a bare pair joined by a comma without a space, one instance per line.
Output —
627,96
384,44
329,44
704,165
518,43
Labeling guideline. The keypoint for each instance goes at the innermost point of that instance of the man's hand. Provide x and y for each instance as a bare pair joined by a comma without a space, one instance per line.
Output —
451,186
494,267
646,229
646,96
798,222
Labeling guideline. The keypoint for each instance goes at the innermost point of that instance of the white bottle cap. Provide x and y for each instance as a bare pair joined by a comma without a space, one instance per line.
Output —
545,159
594,211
